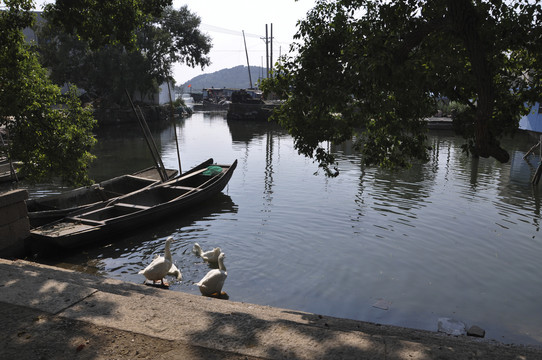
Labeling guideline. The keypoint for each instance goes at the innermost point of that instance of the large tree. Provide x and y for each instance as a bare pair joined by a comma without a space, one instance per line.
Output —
373,70
101,22
50,133
173,36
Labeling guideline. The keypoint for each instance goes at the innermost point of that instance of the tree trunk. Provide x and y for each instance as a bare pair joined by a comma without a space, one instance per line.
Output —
465,22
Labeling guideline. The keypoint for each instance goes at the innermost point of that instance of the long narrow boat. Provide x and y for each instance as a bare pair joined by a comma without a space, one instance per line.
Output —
51,208
126,213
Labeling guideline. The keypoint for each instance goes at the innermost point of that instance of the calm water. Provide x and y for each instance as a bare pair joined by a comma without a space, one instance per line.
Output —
451,238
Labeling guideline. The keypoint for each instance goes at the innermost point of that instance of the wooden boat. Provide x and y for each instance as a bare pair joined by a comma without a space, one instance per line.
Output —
126,213
50,208
247,105
252,111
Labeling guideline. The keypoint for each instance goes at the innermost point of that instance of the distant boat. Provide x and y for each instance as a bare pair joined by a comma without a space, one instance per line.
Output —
126,213
249,105
46,209
212,99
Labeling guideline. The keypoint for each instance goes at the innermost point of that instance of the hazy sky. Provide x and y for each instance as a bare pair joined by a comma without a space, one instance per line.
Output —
224,21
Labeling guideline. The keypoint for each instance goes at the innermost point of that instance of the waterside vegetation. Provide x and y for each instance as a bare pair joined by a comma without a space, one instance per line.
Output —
97,48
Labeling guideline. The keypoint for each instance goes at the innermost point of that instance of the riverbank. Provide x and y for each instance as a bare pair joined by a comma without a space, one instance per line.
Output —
52,313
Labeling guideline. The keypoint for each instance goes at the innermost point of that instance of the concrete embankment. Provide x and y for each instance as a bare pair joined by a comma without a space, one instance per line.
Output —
51,313
14,225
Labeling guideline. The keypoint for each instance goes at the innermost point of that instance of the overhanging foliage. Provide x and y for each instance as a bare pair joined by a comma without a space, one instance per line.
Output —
374,70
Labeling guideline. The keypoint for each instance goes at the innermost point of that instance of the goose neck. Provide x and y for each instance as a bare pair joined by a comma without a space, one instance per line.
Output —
167,254
221,265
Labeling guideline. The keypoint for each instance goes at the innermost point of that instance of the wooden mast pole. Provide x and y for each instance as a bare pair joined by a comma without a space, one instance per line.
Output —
150,142
248,64
172,117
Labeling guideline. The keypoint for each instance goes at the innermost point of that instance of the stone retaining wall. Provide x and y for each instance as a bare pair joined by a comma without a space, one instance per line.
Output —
14,224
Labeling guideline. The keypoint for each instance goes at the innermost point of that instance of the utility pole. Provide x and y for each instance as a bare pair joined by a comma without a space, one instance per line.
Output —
271,53
268,58
266,54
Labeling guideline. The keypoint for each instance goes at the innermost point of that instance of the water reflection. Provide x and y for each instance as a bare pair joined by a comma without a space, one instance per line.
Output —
268,174
442,208
246,131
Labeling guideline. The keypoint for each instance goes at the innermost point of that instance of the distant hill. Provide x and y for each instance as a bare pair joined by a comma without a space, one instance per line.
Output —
236,77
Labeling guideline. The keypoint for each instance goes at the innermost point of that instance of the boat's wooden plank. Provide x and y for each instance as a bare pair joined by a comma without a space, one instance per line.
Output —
132,206
153,174
63,229
86,221
185,176
188,188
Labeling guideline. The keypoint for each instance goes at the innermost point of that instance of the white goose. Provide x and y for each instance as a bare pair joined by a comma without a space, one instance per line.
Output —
210,256
160,266
174,271
213,281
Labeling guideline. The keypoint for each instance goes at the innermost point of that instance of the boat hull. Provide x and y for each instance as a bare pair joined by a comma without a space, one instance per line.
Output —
47,209
135,210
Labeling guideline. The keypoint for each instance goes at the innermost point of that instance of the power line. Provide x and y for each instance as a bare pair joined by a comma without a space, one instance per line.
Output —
227,31
222,30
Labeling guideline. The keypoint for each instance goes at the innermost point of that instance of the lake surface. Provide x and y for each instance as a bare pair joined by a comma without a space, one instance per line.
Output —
455,237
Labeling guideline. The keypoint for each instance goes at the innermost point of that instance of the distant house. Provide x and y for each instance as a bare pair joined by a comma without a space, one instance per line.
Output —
163,96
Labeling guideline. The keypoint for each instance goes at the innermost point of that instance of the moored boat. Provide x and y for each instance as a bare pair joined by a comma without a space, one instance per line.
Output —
46,209
128,212
250,105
